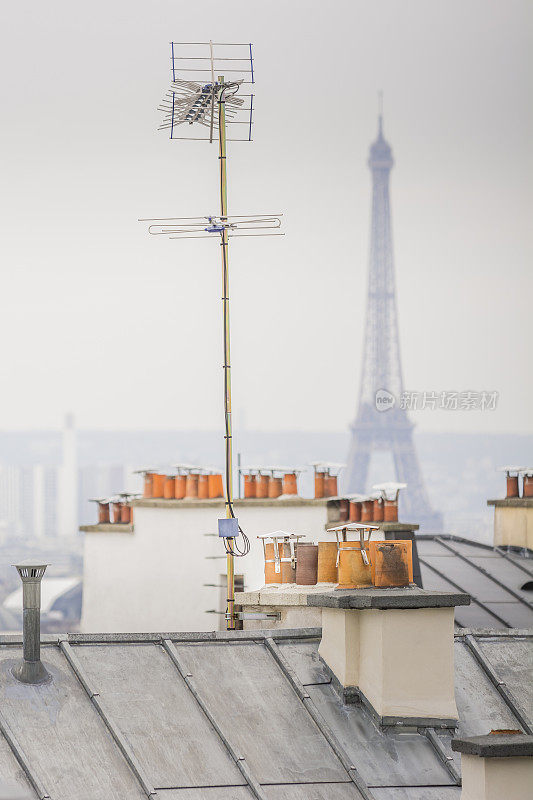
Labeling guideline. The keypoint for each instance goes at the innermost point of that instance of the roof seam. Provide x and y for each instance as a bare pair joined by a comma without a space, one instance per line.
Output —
22,759
486,573
505,555
201,786
317,718
109,722
431,537
474,599
432,737
252,782
501,686
187,637
308,783
487,633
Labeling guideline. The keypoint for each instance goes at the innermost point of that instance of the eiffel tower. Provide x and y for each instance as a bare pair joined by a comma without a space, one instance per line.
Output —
380,423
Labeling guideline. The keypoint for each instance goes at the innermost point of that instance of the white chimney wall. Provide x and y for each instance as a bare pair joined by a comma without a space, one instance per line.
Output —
399,657
496,766
496,778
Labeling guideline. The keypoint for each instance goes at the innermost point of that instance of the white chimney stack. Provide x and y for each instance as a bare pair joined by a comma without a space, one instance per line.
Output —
392,649
498,766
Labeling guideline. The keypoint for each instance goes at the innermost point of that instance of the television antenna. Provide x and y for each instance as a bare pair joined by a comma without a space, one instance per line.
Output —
199,105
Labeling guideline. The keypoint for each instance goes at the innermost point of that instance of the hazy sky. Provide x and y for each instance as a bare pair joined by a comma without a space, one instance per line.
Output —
125,329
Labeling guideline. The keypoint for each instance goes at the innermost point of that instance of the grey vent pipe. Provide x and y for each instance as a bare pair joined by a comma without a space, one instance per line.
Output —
31,669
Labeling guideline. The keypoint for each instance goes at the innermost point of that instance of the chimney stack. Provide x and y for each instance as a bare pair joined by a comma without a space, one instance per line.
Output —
31,669
499,764
392,650
527,485
390,492
512,475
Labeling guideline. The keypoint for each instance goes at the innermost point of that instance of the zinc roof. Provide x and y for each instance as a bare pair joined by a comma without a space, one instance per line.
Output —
233,716
493,577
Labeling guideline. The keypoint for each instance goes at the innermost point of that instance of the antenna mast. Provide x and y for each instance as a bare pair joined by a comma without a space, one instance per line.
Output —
216,105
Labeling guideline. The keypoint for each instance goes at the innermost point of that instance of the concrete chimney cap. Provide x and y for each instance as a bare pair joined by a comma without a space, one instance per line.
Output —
30,569
98,499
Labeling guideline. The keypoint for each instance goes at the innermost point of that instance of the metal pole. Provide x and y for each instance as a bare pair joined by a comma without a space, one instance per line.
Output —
31,620
228,483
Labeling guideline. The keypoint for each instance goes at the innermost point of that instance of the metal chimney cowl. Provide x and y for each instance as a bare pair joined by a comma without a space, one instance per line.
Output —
31,669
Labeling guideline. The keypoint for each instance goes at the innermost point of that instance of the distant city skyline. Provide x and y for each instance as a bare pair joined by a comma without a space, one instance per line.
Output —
460,471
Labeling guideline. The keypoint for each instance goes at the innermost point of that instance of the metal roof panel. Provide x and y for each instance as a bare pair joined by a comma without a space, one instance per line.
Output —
157,713
402,759
512,659
517,615
207,793
62,735
480,706
274,732
304,659
10,771
466,575
507,572
312,791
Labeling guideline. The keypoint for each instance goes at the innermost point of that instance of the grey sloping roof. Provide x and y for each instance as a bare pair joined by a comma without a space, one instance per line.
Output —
493,577
233,716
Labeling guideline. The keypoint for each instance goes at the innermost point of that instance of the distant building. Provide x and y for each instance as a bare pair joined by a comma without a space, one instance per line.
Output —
28,501
68,485
10,498
44,491
50,502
